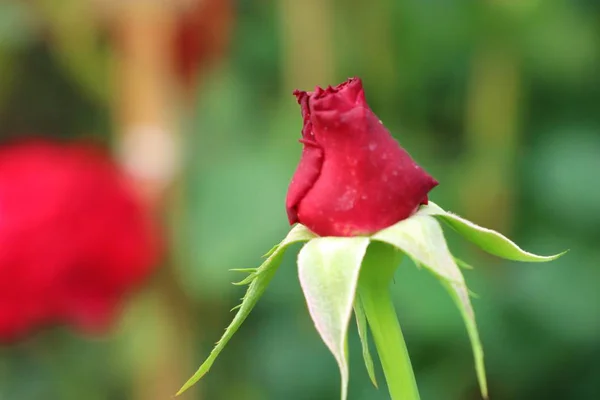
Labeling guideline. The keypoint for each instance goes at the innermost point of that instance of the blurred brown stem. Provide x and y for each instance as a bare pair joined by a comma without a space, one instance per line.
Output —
491,138
144,106
307,42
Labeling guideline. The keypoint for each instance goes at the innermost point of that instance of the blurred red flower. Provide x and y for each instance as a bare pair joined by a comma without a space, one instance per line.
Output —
202,35
74,238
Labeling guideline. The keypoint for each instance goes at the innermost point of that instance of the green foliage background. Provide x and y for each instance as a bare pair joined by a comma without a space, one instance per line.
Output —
499,100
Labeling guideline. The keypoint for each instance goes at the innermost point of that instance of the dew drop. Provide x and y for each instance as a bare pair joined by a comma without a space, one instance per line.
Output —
347,200
372,146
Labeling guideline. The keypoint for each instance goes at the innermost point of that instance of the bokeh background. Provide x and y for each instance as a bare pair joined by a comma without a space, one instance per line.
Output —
499,100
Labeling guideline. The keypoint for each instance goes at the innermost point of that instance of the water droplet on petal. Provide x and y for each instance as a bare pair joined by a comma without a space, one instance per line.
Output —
347,200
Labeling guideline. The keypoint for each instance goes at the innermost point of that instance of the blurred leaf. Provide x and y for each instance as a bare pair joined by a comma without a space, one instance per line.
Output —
561,42
558,298
329,268
79,45
258,285
226,206
559,172
16,31
17,27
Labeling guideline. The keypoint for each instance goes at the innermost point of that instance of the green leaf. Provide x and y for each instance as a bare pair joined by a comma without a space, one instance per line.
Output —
421,238
258,284
376,275
487,239
363,328
329,268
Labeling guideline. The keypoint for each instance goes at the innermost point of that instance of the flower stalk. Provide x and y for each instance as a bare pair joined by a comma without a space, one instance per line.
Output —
377,271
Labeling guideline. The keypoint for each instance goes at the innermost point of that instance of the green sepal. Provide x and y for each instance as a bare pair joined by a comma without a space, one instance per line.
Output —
363,334
486,239
422,239
328,268
258,284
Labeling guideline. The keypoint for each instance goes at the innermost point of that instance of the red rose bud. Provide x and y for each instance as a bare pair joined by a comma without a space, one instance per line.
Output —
353,177
74,238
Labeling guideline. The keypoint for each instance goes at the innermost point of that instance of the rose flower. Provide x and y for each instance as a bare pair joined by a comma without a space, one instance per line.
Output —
74,238
353,177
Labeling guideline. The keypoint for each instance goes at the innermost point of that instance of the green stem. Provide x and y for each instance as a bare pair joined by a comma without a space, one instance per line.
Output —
374,293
